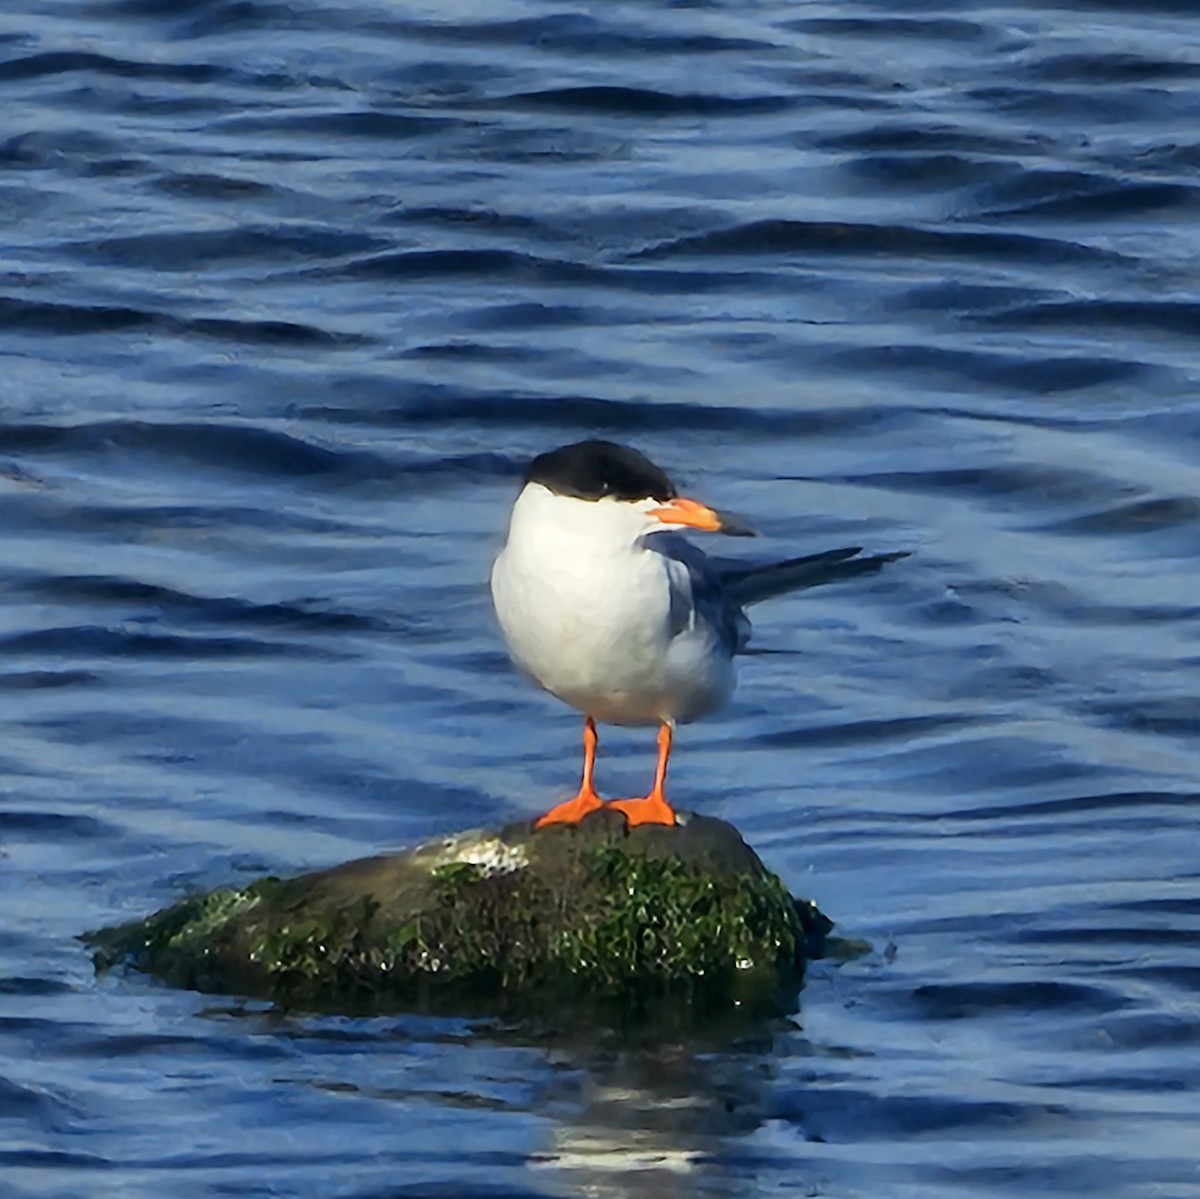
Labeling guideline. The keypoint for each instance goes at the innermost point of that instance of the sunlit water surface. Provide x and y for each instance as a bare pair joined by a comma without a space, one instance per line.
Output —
288,293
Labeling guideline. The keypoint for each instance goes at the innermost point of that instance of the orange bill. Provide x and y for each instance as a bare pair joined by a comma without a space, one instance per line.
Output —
694,515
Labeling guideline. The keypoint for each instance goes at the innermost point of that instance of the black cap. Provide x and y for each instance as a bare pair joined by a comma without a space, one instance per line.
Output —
590,470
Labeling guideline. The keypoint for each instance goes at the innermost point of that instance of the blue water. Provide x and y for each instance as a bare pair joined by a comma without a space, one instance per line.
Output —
288,293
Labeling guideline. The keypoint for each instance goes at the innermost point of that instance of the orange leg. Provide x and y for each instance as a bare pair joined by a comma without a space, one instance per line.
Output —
654,809
572,811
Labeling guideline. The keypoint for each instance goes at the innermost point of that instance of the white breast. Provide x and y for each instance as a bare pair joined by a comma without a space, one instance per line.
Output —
587,613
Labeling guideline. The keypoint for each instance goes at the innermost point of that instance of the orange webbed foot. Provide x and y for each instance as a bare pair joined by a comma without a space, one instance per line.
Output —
654,809
571,811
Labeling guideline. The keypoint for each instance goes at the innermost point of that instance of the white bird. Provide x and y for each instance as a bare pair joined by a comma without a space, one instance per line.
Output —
604,605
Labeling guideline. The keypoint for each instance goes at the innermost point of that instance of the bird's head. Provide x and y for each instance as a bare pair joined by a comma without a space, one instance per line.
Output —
609,491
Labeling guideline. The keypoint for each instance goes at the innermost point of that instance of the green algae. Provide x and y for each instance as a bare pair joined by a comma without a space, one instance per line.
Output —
186,929
593,914
662,919
454,874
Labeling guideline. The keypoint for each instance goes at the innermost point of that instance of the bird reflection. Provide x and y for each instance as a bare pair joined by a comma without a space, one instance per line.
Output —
658,1122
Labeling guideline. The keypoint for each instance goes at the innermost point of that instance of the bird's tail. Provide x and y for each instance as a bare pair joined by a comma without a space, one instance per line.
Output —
753,584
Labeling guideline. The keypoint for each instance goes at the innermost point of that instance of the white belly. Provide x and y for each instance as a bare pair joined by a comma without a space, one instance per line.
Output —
597,633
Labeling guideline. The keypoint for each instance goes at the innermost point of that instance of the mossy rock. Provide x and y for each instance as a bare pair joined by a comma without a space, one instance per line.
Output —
594,914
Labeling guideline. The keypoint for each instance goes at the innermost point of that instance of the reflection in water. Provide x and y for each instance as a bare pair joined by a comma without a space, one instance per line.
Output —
658,1122
289,292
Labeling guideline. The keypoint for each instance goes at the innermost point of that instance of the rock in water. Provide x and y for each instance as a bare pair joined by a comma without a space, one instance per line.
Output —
498,920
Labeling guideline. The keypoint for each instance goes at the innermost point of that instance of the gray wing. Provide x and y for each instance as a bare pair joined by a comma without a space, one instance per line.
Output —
698,593
752,584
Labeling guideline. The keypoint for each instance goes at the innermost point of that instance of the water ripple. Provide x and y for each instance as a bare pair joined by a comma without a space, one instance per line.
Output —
828,237
292,292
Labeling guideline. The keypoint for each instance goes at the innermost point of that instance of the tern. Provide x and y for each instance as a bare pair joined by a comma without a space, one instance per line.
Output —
604,604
